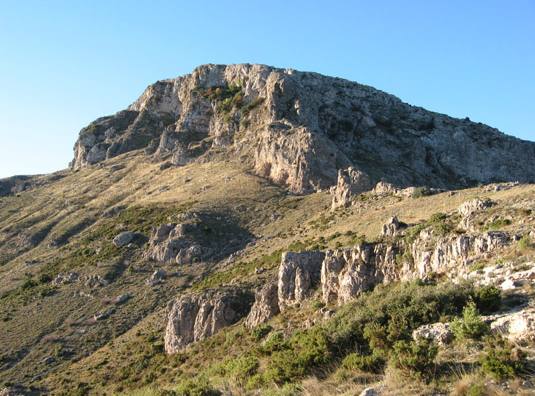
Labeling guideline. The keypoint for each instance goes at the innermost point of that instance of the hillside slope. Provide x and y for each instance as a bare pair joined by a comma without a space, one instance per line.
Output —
193,248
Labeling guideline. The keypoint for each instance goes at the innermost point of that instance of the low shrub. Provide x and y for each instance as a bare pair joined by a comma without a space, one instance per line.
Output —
373,363
501,360
261,331
198,386
470,326
415,358
488,298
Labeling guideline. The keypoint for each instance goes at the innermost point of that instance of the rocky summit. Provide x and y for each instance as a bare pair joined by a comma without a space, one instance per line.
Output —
248,230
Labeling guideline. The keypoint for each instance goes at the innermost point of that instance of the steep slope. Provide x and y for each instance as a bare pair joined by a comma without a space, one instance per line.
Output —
298,129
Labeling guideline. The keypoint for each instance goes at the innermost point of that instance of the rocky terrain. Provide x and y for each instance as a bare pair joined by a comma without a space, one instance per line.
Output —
247,230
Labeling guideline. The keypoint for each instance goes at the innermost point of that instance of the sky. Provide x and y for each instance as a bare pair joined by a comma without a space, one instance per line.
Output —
65,63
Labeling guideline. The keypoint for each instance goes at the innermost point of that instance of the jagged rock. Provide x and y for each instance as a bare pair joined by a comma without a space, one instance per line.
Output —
501,186
439,333
393,227
266,305
298,132
198,316
350,182
166,242
474,205
189,255
383,188
517,326
345,273
65,278
450,255
124,238
299,274
157,277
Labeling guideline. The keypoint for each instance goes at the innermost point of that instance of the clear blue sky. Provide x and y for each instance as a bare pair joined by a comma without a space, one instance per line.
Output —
65,63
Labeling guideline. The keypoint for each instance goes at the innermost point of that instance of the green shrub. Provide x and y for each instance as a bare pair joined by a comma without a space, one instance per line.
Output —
275,342
198,386
415,358
470,326
498,224
488,298
420,192
500,360
371,363
242,368
261,331
524,243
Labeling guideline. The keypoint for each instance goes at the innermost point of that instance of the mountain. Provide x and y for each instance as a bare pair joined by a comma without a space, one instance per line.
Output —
247,230
298,129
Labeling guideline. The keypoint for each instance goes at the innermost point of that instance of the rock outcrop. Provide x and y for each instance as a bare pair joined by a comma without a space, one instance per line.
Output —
299,129
517,326
345,273
299,274
266,305
350,182
474,205
393,227
450,255
170,243
440,333
198,316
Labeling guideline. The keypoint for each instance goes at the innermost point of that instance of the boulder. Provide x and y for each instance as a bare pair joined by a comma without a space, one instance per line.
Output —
124,238
157,277
439,333
346,273
195,317
299,274
266,305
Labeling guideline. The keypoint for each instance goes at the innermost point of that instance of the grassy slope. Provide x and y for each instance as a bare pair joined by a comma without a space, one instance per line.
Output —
47,336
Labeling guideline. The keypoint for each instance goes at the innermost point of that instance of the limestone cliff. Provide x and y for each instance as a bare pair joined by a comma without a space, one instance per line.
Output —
300,128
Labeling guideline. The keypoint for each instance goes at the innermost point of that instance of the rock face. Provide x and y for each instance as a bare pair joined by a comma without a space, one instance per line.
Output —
350,182
517,326
124,238
299,129
345,273
450,255
198,316
266,305
299,274
474,205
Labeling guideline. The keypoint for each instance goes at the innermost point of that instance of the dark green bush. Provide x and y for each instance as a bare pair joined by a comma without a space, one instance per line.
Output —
470,326
373,363
275,342
198,386
488,298
261,331
500,360
415,358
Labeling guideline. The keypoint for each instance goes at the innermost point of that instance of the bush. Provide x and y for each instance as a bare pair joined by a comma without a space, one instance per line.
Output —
373,363
275,342
198,386
261,331
500,360
242,368
470,325
488,299
415,358
524,243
